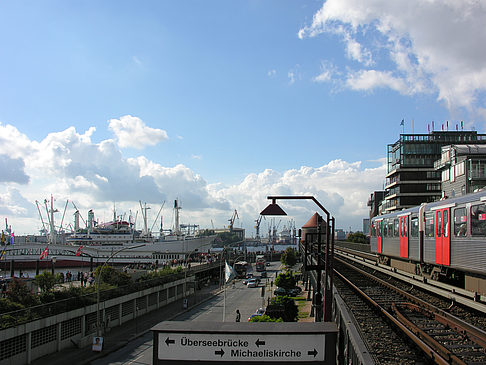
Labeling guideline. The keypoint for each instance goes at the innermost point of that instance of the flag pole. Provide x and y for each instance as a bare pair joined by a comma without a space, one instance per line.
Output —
224,300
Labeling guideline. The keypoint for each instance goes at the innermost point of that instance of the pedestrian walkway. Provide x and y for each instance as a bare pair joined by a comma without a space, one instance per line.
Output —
119,336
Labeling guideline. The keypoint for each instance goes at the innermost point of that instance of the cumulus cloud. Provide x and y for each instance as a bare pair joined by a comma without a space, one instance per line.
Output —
434,46
333,184
69,165
12,170
132,132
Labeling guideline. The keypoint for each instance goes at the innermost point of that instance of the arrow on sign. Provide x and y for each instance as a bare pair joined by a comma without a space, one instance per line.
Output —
258,343
220,352
168,341
312,352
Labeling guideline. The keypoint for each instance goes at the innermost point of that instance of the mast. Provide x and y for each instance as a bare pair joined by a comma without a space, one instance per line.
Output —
177,227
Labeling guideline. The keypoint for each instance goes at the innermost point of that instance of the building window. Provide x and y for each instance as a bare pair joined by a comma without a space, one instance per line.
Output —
459,169
452,175
460,222
445,175
478,220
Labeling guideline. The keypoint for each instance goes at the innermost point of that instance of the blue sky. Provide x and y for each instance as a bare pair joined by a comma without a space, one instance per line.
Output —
221,103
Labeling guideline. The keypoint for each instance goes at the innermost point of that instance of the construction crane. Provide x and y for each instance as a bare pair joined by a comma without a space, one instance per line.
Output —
257,227
232,220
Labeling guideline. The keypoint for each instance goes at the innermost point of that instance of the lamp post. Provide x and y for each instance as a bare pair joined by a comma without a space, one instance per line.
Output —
274,209
53,261
185,272
98,278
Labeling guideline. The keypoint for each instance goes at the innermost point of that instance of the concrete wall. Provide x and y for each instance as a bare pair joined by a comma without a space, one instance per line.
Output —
27,342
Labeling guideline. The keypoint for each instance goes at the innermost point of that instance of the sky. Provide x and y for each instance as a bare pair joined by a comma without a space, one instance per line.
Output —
222,103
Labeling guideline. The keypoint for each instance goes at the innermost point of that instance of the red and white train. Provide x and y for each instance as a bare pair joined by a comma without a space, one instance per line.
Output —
444,240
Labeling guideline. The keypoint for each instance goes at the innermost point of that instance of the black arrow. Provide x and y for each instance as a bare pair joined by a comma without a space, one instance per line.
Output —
220,352
258,342
312,352
168,342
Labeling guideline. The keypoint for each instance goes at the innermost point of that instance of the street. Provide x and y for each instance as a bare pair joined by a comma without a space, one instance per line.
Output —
247,300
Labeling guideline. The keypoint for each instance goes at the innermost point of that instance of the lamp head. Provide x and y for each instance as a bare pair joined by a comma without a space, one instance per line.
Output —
273,209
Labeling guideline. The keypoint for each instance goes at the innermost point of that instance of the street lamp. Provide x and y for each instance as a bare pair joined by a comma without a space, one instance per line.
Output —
185,272
98,278
275,209
53,260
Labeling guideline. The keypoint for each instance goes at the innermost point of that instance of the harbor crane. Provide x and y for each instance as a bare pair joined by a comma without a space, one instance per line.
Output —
257,227
232,220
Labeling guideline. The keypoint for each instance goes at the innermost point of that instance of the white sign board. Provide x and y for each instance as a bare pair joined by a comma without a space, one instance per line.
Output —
241,347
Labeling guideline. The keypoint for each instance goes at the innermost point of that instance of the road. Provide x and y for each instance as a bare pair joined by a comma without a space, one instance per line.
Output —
247,300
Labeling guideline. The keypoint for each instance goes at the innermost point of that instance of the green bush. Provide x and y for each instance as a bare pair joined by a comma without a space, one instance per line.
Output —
357,237
18,292
265,318
285,280
288,258
46,281
6,305
283,307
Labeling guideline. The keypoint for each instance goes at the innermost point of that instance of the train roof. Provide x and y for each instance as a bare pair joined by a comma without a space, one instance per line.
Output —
472,197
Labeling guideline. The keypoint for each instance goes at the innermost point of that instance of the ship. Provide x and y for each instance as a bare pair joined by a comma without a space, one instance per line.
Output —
117,241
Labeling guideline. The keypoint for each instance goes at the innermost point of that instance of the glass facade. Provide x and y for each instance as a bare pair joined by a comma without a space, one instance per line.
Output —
411,161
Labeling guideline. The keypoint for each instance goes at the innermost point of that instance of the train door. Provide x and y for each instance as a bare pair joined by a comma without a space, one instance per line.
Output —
404,236
442,236
379,236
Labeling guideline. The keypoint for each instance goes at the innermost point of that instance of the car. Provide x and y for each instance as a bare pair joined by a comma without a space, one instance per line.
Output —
263,274
280,291
252,283
259,312
294,291
268,263
248,276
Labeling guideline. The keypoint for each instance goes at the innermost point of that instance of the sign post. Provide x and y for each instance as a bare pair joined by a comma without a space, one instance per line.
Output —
245,343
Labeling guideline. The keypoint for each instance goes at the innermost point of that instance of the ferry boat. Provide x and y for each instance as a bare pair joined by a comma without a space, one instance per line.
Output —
117,241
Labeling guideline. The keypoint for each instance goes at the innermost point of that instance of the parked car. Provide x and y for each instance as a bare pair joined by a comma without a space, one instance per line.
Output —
280,291
259,312
252,283
294,291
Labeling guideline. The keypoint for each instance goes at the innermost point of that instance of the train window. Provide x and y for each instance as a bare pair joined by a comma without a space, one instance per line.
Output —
385,227
396,231
429,224
446,223
414,227
478,220
438,225
460,222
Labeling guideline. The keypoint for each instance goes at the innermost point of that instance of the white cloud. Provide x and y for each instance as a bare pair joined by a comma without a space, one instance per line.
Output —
132,132
70,166
435,46
291,77
196,157
372,79
271,73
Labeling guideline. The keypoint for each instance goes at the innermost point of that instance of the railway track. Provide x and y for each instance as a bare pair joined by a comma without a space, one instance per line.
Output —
404,328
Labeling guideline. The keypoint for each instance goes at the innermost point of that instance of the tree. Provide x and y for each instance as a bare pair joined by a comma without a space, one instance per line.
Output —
285,280
113,277
357,237
46,281
283,307
18,292
289,257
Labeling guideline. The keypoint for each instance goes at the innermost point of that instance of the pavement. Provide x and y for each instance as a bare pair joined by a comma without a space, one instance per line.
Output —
119,336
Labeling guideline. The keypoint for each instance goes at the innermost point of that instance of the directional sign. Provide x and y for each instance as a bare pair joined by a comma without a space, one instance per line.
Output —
241,347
